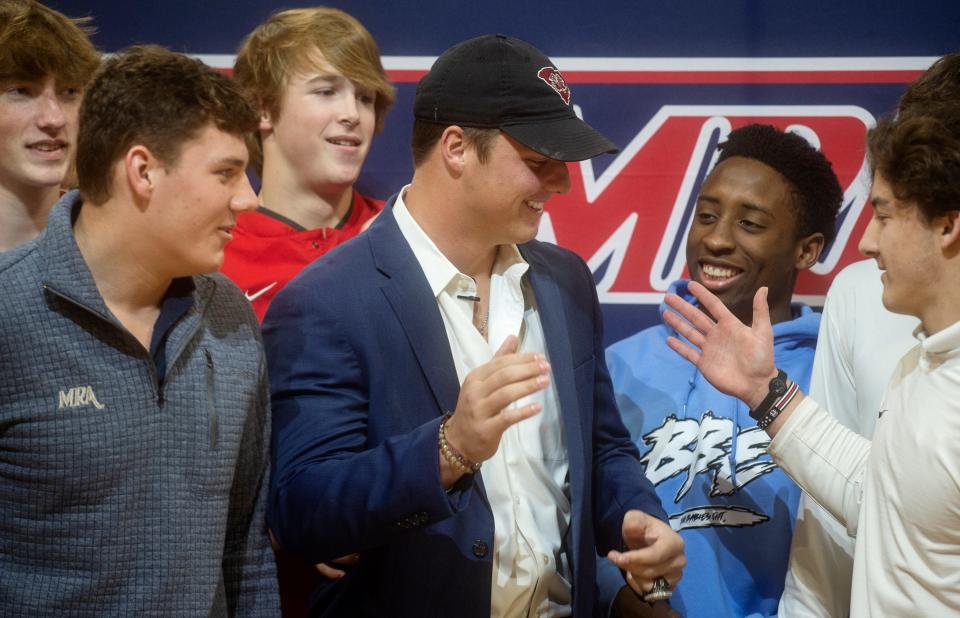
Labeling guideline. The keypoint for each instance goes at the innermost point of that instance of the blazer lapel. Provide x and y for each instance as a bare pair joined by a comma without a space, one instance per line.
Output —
551,304
408,292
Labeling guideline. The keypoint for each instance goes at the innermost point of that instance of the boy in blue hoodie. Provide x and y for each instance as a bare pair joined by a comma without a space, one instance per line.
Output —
763,214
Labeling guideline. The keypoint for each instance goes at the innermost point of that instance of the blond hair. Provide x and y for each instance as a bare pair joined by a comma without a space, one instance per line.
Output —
286,44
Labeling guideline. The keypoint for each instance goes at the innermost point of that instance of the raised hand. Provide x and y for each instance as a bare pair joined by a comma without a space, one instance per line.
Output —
735,358
654,550
482,413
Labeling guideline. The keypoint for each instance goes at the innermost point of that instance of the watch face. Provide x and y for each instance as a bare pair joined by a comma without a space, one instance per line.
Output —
778,386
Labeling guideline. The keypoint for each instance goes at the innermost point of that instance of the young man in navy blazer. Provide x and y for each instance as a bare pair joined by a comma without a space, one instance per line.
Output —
453,340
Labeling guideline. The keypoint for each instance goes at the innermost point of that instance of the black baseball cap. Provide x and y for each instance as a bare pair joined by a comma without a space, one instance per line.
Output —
499,82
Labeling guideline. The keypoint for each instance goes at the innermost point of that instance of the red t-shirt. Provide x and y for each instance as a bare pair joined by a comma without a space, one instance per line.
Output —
268,250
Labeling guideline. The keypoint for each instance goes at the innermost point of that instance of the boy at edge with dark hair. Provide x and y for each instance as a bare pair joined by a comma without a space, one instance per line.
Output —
135,409
851,369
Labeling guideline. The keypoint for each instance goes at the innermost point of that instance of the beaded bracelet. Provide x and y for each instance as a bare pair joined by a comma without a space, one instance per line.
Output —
453,457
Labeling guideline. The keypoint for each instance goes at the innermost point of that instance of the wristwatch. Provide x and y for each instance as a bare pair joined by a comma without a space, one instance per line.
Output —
778,387
781,392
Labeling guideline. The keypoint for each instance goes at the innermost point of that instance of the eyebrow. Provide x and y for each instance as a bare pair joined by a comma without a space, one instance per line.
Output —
234,161
757,208
876,201
747,205
326,77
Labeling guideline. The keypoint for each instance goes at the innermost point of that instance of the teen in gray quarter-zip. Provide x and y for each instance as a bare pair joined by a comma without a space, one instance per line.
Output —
133,467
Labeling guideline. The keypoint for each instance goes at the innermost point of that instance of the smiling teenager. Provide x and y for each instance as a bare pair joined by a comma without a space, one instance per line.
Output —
46,60
316,78
763,214
446,411
897,493
850,372
136,416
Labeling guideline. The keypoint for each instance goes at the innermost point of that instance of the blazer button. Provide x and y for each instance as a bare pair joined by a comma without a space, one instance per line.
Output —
480,549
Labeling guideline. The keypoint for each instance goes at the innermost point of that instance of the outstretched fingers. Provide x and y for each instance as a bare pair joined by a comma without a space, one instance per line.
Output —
690,332
691,313
713,305
761,311
686,351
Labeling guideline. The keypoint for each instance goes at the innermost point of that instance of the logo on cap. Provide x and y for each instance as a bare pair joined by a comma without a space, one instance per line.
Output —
553,79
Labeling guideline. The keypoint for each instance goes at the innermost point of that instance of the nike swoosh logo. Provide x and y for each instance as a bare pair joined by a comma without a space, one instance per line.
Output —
259,293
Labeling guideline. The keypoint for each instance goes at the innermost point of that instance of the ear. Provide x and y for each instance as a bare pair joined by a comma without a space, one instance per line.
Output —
266,119
949,227
140,169
453,149
808,249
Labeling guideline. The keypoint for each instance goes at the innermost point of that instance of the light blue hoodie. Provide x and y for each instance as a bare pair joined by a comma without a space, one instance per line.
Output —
707,459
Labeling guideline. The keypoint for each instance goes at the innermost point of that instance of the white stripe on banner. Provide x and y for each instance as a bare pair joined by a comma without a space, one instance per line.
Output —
574,63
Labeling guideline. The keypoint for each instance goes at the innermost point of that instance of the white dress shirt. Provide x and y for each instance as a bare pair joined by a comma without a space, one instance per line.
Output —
526,481
859,346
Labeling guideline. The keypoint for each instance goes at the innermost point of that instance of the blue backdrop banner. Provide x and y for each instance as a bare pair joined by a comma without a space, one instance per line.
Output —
666,81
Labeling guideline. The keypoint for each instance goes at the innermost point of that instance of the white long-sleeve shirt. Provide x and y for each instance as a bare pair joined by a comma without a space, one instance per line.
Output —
900,494
858,347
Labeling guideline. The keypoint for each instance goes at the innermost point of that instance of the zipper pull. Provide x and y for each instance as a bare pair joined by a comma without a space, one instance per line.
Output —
211,404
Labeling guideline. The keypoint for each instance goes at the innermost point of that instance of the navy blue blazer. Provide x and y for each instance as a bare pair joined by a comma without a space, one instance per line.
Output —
360,374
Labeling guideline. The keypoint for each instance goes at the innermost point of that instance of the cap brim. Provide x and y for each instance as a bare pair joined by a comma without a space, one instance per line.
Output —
565,139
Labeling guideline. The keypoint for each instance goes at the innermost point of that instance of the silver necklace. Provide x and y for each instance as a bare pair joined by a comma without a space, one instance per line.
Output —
482,324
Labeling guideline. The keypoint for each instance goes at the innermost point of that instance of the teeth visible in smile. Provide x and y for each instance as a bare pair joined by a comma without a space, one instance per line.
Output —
343,142
47,147
538,206
717,271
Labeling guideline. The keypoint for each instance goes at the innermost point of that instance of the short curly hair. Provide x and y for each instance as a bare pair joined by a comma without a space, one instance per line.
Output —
919,155
152,96
918,152
816,190
938,86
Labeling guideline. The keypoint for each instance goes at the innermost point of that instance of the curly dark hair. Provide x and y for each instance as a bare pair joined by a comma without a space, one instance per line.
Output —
918,152
938,86
152,96
919,155
816,190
